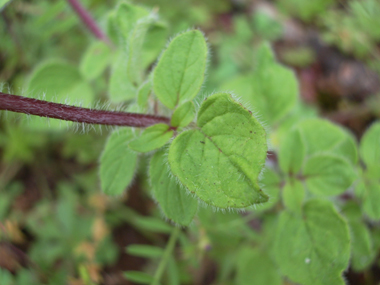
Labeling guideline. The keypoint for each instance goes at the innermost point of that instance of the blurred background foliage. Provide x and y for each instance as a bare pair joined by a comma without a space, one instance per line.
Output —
56,227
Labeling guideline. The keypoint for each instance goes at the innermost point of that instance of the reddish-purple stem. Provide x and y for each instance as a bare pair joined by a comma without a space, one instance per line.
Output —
42,108
87,20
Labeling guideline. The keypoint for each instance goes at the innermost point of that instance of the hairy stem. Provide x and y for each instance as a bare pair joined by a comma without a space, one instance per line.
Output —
42,108
88,21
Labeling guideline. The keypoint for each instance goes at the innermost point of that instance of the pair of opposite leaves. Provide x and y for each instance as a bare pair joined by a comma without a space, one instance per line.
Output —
221,158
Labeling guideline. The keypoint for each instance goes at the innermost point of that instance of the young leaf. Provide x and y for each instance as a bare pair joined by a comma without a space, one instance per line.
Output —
95,60
327,174
320,135
126,17
120,88
176,204
117,163
272,181
58,81
143,95
180,71
362,246
183,115
293,194
152,138
313,248
154,43
370,149
254,266
221,160
291,153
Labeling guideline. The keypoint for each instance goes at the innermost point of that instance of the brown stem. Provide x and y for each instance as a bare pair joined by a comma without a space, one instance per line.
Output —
88,21
42,108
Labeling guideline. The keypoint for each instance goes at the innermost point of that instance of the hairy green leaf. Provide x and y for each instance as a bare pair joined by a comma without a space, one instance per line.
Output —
126,17
183,115
95,60
175,202
180,71
313,248
143,95
117,162
221,160
152,138
291,153
369,191
328,174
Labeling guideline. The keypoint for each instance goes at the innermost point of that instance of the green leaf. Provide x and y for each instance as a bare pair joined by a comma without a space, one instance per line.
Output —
221,160
154,43
320,135
60,82
152,138
126,17
175,202
146,251
95,60
328,174
180,71
117,163
313,248
370,149
183,115
293,195
143,94
271,89
363,253
138,277
369,191
254,266
120,87
291,153
271,181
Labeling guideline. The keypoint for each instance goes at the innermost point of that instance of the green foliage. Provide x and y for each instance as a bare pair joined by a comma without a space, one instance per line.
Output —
152,138
305,10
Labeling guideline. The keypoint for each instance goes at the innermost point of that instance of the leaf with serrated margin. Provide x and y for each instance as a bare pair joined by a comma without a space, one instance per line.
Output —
221,160
180,71
117,162
370,150
328,174
152,138
176,204
313,249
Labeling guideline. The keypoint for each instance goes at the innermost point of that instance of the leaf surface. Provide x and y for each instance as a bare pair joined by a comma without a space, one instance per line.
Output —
221,160
152,138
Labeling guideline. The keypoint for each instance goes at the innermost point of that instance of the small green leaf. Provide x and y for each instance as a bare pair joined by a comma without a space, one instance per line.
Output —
152,138
254,266
60,82
146,251
370,149
117,163
175,202
293,195
320,135
362,246
126,17
291,153
221,160
138,277
180,71
183,115
271,89
120,87
143,94
95,60
154,43
271,181
313,248
328,174
369,191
